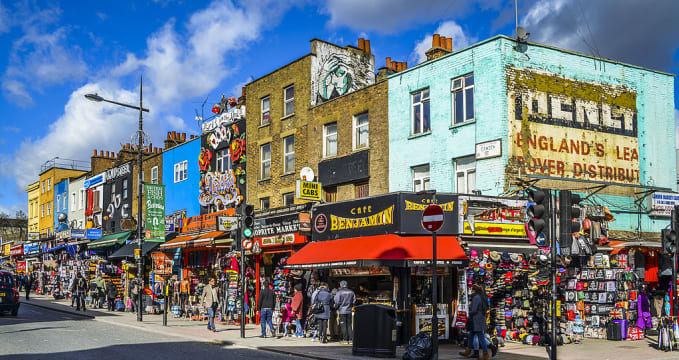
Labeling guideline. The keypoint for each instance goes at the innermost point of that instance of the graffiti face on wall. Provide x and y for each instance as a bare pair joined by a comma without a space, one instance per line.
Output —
336,71
220,190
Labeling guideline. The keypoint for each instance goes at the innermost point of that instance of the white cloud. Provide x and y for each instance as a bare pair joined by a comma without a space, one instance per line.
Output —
448,29
4,20
177,123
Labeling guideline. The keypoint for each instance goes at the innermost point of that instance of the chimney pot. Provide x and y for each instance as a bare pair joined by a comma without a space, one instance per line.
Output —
174,135
169,133
367,46
242,91
108,154
361,44
405,65
183,137
449,44
436,40
443,42
388,62
95,152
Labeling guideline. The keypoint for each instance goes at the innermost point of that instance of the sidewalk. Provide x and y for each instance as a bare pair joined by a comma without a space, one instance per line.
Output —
229,335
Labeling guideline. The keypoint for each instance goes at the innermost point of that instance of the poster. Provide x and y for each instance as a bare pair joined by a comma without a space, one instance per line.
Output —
155,212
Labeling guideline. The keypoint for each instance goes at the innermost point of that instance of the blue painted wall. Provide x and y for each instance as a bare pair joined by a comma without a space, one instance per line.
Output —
61,201
184,194
488,61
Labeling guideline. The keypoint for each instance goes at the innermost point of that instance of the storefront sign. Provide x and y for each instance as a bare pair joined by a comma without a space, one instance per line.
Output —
207,222
16,250
119,171
491,216
278,240
344,169
489,149
155,211
565,128
64,234
276,225
360,217
6,248
31,248
88,183
662,203
227,223
412,206
308,190
33,236
219,189
93,233
225,118
77,234
21,266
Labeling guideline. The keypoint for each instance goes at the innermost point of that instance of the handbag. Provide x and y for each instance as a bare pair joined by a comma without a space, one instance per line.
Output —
318,308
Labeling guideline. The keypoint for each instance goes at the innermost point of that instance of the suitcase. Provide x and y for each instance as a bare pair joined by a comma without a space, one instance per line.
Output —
624,326
614,331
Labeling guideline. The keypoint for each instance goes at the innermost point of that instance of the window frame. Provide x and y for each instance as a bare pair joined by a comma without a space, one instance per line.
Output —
81,199
264,200
56,204
223,157
361,188
421,104
49,184
154,178
326,135
287,100
290,195
125,188
464,166
262,112
286,154
356,127
73,201
263,162
462,90
330,193
42,212
181,171
49,208
424,180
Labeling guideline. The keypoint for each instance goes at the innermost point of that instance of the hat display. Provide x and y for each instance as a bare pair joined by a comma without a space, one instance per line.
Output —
474,254
495,256
516,258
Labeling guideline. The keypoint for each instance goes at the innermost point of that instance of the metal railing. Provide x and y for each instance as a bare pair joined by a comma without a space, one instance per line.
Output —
58,162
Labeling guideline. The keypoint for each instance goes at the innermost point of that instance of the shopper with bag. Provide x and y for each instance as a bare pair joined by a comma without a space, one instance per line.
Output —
265,305
476,323
210,301
321,307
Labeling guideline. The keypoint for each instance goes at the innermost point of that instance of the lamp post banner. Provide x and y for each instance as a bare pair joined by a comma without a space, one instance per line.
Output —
155,212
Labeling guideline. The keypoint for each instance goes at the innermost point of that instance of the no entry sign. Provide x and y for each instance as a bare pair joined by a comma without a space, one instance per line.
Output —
432,218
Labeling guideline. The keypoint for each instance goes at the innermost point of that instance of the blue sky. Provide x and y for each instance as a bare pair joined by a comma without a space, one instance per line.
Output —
55,52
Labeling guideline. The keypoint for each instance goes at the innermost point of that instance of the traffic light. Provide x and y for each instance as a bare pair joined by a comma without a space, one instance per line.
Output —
568,210
539,213
669,239
248,221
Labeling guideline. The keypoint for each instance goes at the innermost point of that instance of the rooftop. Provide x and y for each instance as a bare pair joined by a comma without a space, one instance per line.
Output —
60,163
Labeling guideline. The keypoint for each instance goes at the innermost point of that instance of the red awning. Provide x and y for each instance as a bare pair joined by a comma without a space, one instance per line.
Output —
180,241
378,250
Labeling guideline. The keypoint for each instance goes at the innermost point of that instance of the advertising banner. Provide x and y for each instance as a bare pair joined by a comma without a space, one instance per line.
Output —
162,264
21,266
16,250
93,233
412,205
566,128
155,211
662,203
308,190
491,216
6,249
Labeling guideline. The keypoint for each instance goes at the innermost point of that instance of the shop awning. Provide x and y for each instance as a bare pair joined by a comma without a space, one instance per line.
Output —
108,240
128,250
378,250
203,240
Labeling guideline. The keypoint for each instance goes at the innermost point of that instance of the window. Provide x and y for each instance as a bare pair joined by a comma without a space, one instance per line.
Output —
465,175
264,203
362,190
360,131
154,175
420,112
421,178
463,99
56,205
49,184
265,110
81,200
289,100
330,193
223,160
49,208
265,160
181,171
73,203
288,199
125,188
289,154
113,191
42,211
43,187
64,198
330,139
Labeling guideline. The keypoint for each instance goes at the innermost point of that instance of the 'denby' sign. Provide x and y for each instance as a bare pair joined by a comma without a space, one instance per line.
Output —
432,218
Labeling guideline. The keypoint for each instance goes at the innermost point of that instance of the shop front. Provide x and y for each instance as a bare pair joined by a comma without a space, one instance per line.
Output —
380,248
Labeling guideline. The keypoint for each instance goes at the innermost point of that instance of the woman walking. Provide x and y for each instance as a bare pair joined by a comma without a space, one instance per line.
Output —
324,298
476,324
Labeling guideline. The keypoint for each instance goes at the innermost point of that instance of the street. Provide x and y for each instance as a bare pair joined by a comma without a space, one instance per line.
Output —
38,333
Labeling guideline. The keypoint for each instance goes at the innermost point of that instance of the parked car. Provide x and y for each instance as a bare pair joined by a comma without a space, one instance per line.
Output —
9,294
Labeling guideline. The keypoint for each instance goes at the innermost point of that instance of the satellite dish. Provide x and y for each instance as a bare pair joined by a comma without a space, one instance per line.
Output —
521,34
307,174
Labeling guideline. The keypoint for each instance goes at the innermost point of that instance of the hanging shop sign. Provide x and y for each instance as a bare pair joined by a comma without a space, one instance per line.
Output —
566,128
162,263
93,233
63,234
227,223
33,236
489,149
6,249
662,203
412,205
492,216
155,211
16,250
308,190
219,189
277,240
21,266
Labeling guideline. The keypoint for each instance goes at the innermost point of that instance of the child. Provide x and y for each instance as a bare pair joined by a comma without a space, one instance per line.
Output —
286,318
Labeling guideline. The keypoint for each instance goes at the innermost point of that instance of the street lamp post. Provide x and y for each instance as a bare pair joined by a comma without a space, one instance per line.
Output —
140,239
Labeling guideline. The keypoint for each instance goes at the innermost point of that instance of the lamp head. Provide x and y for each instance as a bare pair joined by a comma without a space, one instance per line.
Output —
94,97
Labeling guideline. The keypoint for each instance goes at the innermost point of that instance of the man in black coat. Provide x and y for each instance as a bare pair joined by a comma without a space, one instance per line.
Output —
265,305
28,284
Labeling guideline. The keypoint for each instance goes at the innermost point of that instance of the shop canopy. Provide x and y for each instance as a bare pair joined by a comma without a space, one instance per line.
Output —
128,250
194,241
378,250
109,240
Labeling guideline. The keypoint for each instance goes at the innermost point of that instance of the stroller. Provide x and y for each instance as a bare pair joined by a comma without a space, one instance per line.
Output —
310,325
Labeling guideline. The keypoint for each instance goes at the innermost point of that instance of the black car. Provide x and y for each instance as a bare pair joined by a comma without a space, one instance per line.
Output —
9,295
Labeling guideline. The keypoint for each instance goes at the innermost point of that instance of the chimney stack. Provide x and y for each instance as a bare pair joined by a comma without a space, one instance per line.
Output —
367,46
449,44
361,44
440,46
101,153
183,137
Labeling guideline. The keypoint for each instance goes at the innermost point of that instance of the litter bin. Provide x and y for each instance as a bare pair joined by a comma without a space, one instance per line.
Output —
374,331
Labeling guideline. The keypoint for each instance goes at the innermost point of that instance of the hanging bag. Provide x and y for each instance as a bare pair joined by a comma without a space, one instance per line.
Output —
318,308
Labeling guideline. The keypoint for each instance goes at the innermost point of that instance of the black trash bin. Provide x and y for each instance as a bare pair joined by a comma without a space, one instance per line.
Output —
374,331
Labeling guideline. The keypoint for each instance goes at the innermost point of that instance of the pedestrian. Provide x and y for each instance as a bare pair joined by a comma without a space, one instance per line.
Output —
476,323
310,313
286,318
265,305
210,300
79,288
70,289
101,290
344,301
111,294
133,294
298,310
28,284
323,297
21,281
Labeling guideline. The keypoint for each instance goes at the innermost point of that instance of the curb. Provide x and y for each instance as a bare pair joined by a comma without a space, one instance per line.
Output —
286,352
60,310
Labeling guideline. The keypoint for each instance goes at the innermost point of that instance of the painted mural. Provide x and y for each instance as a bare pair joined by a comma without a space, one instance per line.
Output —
117,197
336,71
570,129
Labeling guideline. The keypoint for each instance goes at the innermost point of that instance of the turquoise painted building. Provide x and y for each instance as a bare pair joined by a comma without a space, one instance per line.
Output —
484,118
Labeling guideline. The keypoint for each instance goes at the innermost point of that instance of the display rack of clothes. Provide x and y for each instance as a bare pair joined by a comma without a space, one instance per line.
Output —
668,334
